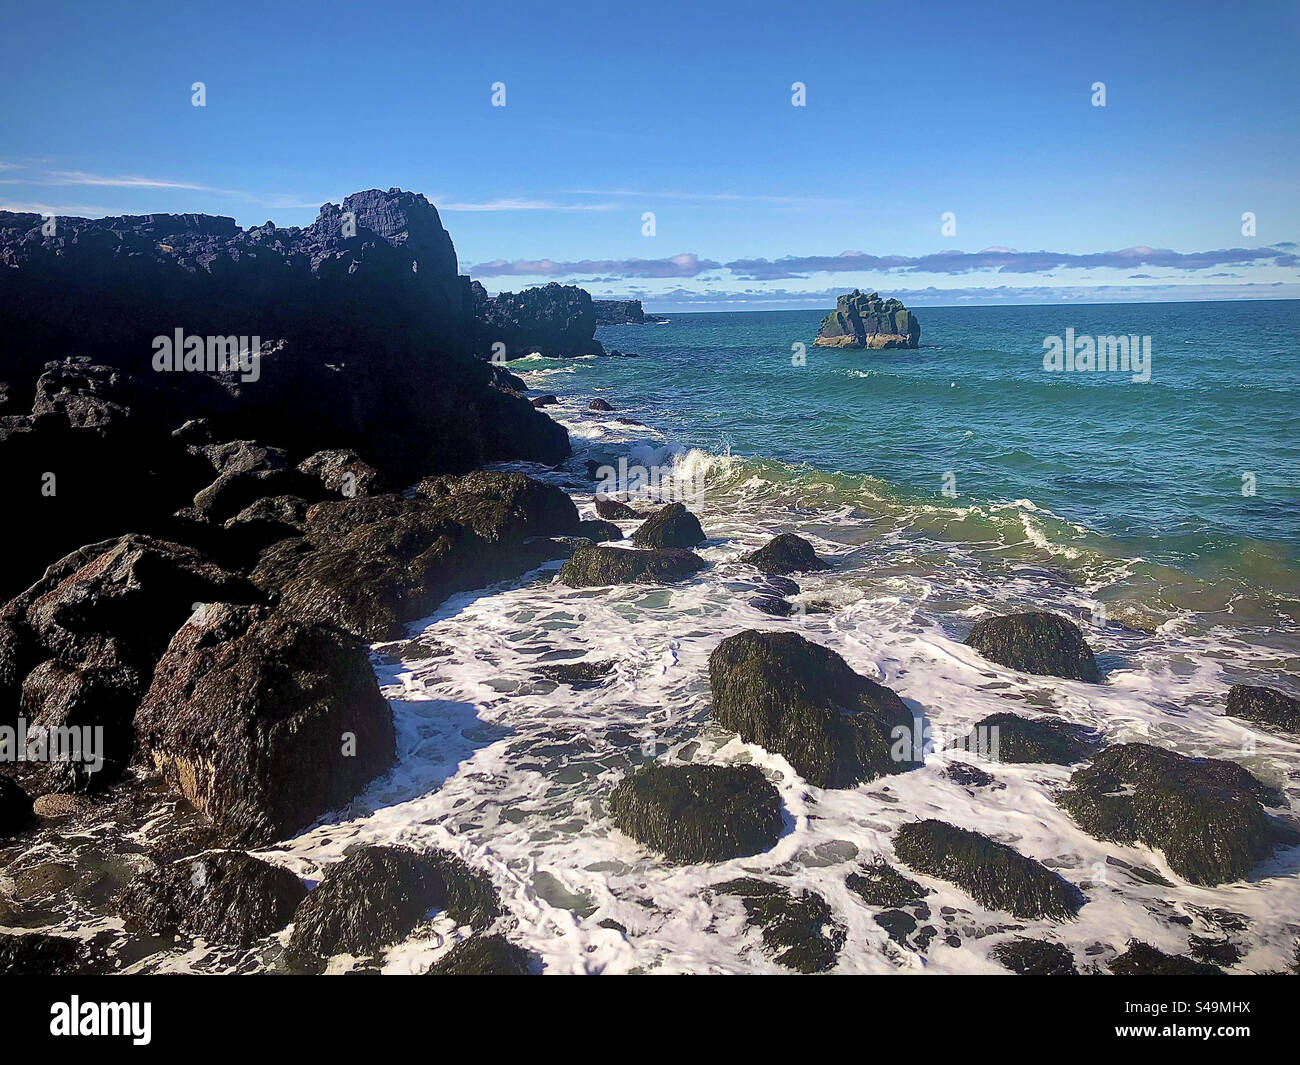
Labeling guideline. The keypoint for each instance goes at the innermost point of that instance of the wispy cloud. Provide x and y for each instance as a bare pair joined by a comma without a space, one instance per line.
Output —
775,200
524,205
685,265
77,177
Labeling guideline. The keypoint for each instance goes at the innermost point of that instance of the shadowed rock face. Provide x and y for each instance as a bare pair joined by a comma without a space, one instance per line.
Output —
1046,645
1204,814
798,928
482,956
614,509
699,813
557,321
995,875
37,954
1023,739
15,808
594,567
803,702
867,321
1264,706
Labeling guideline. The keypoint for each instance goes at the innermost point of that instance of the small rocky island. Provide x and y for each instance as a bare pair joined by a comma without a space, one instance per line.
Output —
860,321
624,312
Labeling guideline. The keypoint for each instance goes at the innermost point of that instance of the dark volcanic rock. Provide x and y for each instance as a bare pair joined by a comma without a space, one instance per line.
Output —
670,526
600,532
376,895
699,813
557,321
860,321
1204,814
15,808
38,954
1037,642
783,554
548,400
343,471
1035,957
1142,959
482,956
803,702
624,312
799,929
612,509
227,898
594,567
264,723
879,884
599,404
1264,706
1023,739
503,507
993,874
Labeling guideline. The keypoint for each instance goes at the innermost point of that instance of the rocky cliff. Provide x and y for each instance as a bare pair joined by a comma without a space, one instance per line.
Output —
558,321
624,312
867,321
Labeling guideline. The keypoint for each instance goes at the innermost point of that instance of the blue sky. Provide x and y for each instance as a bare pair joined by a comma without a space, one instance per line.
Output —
913,110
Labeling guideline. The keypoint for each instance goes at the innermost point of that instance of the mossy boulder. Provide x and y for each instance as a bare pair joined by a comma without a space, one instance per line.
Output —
786,553
1011,738
699,813
376,895
1142,959
803,702
1265,706
592,566
1043,644
1035,957
799,928
1204,814
482,956
993,874
880,884
670,526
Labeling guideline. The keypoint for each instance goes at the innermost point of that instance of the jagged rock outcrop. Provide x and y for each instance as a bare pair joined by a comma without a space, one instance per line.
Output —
554,320
867,321
624,312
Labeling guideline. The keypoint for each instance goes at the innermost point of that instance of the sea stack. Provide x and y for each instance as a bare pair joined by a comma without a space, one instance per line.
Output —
860,321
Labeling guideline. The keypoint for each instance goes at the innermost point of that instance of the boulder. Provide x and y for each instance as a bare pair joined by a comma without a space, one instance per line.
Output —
592,566
867,321
1142,959
376,896
600,532
585,672
799,928
16,813
803,702
1011,738
699,813
1265,706
670,526
880,884
482,956
599,405
1204,814
1043,644
784,554
613,510
993,874
263,722
227,898
1035,957
548,400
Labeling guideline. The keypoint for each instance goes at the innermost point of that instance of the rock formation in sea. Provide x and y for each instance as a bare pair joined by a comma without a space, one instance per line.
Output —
557,321
867,321
624,312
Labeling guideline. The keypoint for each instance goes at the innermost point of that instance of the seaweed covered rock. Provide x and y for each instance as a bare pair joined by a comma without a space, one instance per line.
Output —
482,956
592,567
376,895
1043,644
585,672
880,884
503,507
1264,706
16,811
263,722
1142,959
867,321
803,702
699,813
227,898
1204,814
670,526
613,510
784,554
798,928
1035,957
1012,738
993,874
39,954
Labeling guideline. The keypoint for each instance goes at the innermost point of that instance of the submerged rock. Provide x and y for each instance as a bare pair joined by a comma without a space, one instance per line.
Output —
1035,957
699,813
1142,959
594,567
376,895
993,874
576,672
1043,644
16,811
799,929
1023,739
227,898
670,526
1204,814
803,702
482,956
880,884
264,723
784,554
867,321
1264,706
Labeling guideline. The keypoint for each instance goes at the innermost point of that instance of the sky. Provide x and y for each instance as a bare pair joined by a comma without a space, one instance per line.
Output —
980,115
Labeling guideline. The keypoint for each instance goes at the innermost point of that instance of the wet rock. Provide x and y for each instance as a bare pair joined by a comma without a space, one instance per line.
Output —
600,532
772,605
343,471
613,510
58,805
968,776
548,400
1035,957
376,895
503,507
594,567
784,554
1264,706
867,321
879,884
586,672
799,929
1142,959
265,522
38,954
1039,643
1011,738
803,702
16,811
1216,951
483,956
1204,814
226,898
993,874
898,925
599,404
670,526
699,813
263,722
